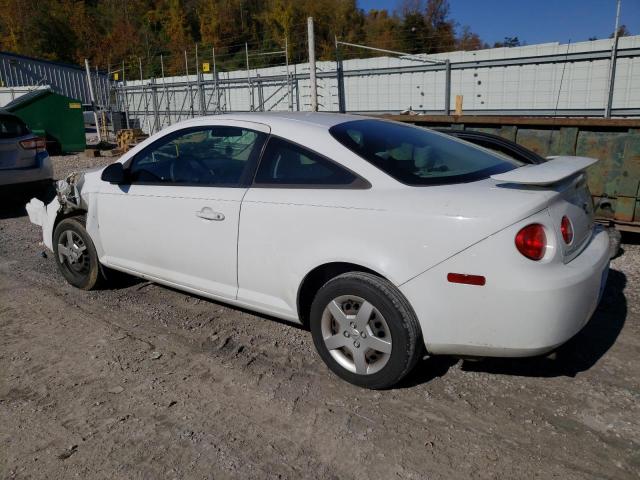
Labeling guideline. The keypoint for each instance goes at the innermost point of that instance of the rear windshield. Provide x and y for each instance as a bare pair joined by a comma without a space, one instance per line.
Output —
417,156
12,127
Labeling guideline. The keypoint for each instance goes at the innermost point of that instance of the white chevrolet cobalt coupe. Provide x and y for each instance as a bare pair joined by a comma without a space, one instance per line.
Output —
390,241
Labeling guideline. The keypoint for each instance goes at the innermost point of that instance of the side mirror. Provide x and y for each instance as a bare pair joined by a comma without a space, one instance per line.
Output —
114,173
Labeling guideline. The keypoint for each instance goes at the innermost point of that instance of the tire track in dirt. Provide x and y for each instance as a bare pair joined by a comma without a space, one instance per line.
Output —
235,395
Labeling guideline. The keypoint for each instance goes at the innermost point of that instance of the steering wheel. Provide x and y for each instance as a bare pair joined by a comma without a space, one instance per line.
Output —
192,169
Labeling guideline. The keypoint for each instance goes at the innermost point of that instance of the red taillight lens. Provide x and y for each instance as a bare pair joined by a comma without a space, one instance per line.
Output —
531,241
567,230
39,144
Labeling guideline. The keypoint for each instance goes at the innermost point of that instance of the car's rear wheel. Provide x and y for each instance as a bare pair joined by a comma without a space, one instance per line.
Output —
365,330
75,254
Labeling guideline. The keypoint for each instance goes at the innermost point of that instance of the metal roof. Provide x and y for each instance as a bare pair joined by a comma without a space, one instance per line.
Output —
27,97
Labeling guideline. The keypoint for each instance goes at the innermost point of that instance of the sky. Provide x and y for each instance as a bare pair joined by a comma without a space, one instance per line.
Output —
536,21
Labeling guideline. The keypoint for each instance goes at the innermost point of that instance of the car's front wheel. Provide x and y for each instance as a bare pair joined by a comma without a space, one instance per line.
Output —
365,330
75,254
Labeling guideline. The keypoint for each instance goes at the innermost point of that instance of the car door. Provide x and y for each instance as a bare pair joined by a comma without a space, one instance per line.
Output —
293,213
176,218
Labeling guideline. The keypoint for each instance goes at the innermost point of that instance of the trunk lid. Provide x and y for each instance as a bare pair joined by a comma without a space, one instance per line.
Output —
564,177
573,200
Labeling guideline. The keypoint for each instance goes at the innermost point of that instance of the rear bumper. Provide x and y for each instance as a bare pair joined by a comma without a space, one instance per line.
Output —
43,171
525,308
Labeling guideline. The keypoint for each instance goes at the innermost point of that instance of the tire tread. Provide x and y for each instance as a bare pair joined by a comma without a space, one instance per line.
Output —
407,315
95,275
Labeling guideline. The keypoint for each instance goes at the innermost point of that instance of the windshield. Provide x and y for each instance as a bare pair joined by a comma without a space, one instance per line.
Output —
417,156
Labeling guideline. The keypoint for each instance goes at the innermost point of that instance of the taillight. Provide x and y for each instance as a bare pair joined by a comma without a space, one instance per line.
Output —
531,241
38,144
567,230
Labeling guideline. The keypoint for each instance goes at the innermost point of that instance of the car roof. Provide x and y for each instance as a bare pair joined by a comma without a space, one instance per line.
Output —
281,119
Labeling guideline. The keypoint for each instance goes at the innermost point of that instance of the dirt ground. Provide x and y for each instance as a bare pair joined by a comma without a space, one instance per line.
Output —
141,381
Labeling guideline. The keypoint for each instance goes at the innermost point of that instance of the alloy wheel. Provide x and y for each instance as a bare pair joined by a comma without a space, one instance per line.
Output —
356,335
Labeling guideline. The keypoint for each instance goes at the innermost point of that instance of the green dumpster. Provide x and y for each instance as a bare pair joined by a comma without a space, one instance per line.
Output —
56,117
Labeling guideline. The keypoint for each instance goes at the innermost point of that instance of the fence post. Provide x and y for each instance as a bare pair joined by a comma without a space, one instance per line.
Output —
126,97
447,88
260,93
340,77
286,59
612,65
146,99
249,85
93,99
154,99
203,105
311,41
166,90
215,79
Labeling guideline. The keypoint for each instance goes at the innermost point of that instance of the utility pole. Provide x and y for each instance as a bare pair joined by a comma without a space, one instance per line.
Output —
447,87
286,60
249,85
612,64
93,99
186,71
166,90
146,100
312,64
215,79
126,98
203,105
340,77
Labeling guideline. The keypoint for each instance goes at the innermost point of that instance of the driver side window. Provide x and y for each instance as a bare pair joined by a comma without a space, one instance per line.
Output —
218,155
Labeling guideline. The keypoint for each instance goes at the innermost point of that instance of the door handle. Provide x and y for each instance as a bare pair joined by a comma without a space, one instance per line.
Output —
207,214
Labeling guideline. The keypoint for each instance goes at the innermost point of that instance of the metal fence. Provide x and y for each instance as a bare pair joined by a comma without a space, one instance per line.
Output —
540,80
545,80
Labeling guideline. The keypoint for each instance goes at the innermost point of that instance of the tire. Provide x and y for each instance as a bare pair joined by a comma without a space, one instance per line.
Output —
79,264
365,330
615,238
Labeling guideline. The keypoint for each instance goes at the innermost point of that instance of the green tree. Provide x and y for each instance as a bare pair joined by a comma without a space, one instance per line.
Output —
508,42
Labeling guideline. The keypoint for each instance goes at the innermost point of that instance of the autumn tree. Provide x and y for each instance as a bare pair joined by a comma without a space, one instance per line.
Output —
108,32
508,42
469,40
382,30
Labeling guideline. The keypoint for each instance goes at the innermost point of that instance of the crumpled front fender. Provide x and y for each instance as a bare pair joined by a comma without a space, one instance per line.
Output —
68,199
44,216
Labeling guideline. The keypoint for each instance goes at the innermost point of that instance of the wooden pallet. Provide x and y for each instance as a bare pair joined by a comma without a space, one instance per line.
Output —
129,138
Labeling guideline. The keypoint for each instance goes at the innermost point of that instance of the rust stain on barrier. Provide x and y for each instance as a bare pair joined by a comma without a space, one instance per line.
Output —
630,181
607,147
537,140
624,208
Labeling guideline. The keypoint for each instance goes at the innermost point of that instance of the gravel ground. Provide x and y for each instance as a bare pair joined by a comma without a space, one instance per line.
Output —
141,381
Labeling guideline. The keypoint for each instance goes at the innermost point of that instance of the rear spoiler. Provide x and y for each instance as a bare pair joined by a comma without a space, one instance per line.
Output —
556,169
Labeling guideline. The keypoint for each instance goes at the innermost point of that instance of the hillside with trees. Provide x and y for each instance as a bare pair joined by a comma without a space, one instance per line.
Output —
108,32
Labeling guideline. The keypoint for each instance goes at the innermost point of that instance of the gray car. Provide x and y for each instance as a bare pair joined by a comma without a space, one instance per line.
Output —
23,155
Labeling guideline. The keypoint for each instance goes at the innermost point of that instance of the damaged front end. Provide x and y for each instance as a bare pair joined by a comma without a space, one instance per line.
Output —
68,199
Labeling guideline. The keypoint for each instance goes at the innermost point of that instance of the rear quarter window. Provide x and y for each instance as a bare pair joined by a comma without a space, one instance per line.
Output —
12,127
417,156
